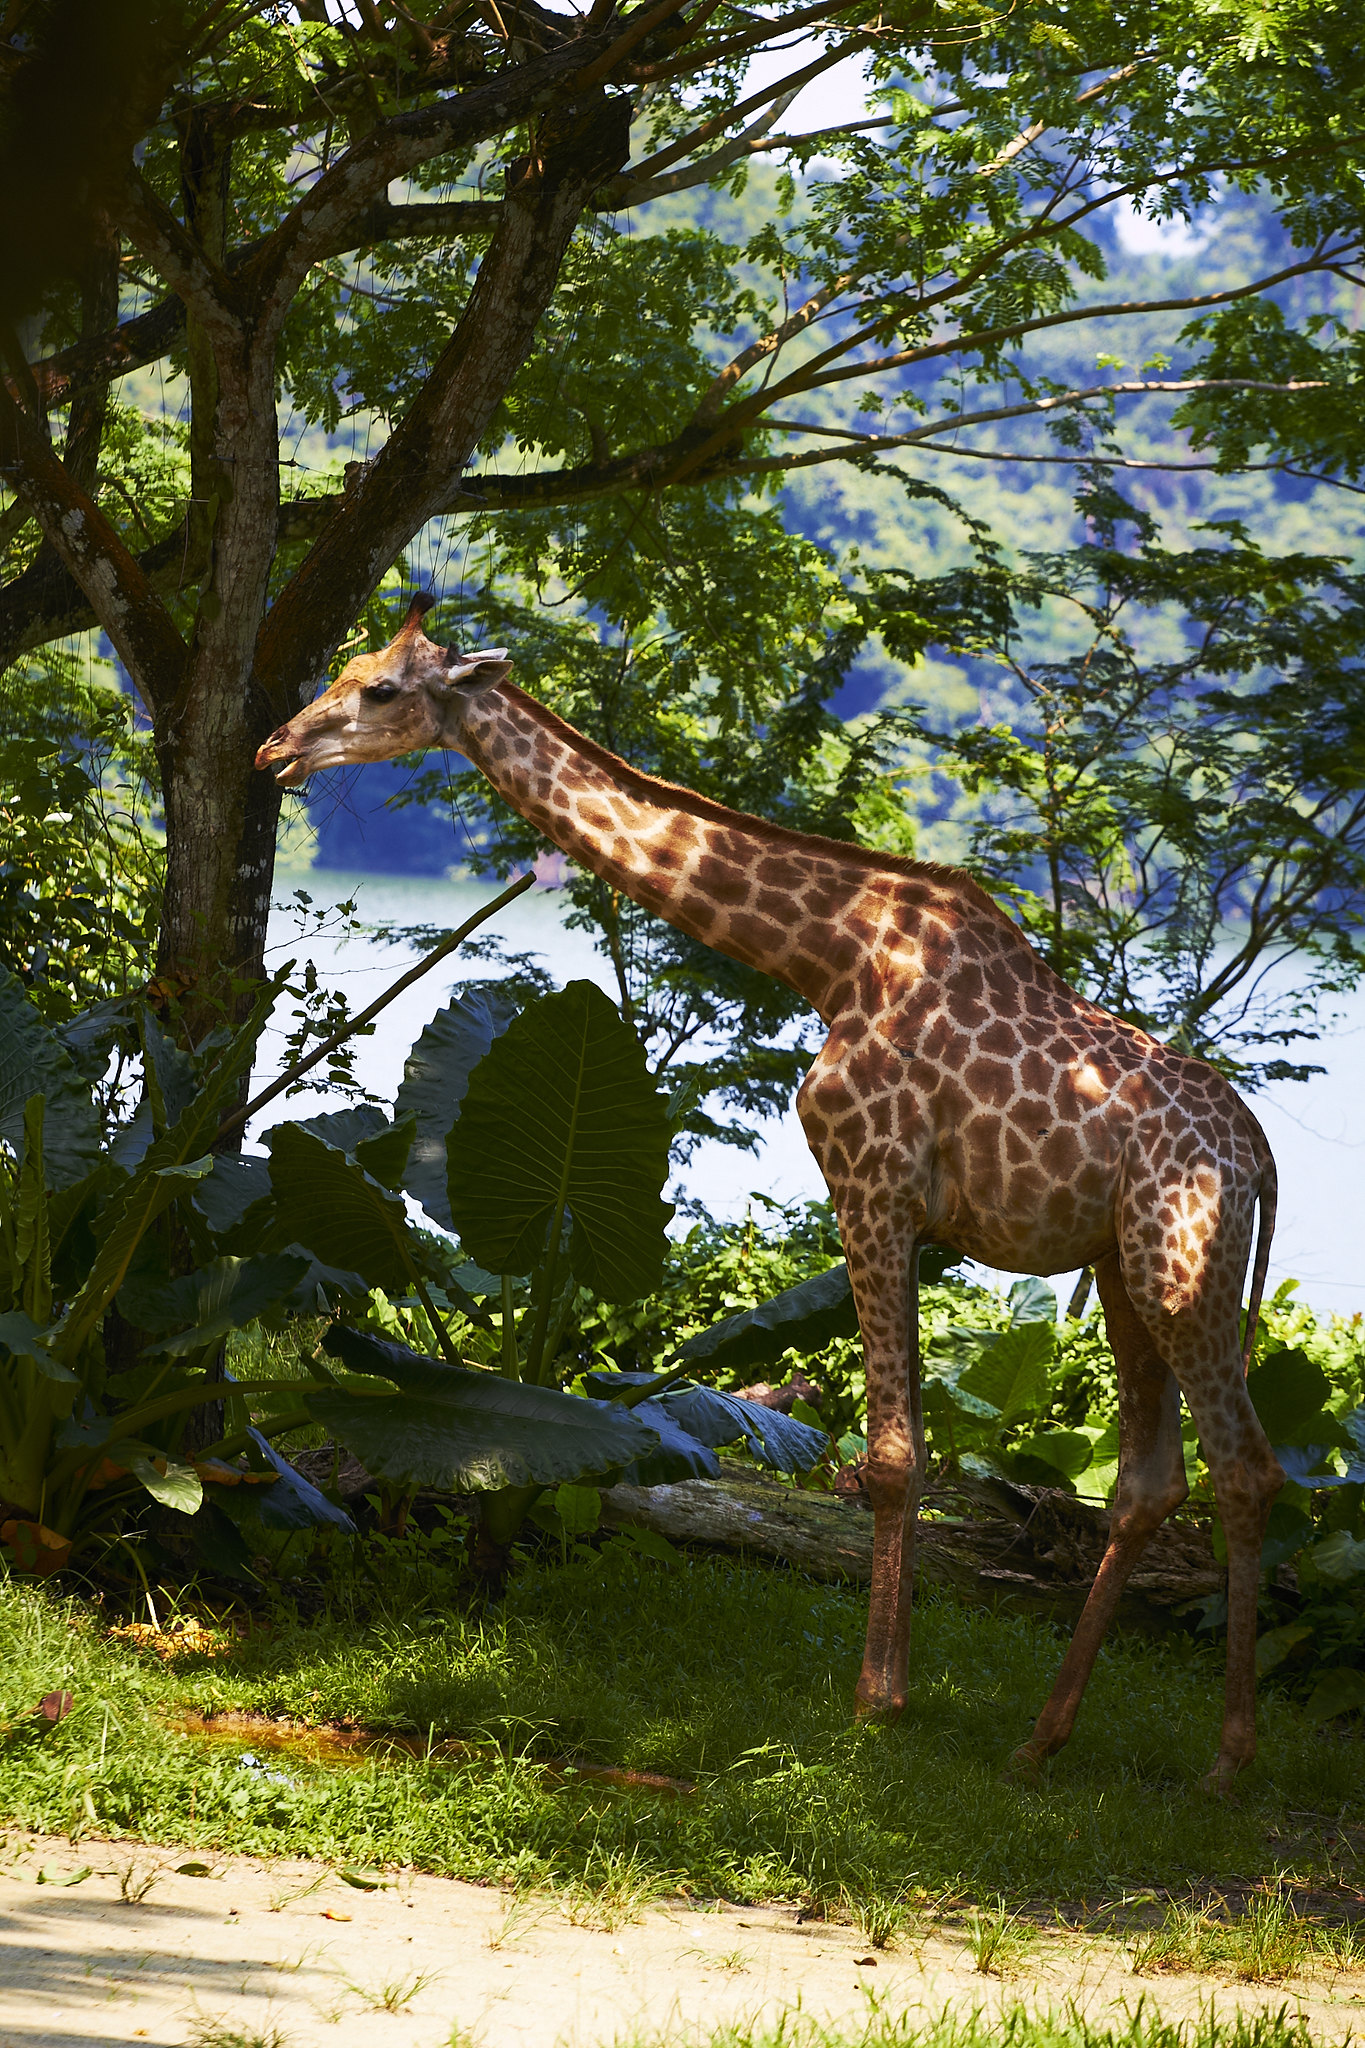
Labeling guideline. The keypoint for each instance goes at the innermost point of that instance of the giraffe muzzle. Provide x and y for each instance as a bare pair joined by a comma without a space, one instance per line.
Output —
280,754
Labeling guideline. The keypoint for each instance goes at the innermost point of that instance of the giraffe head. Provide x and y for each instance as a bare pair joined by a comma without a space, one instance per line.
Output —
402,700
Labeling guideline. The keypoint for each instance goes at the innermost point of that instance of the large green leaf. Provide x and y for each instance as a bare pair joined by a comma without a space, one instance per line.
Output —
465,1430
33,1061
803,1318
563,1107
1287,1391
21,1336
203,1307
1032,1301
1012,1374
435,1080
364,1134
326,1201
234,1186
1065,1451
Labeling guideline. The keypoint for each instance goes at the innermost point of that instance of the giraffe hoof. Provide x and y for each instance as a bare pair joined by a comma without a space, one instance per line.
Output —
1217,1783
1025,1767
878,1713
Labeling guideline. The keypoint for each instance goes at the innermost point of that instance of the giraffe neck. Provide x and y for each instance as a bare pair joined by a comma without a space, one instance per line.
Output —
771,898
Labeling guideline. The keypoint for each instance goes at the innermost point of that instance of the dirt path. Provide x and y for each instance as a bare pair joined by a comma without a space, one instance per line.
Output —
291,1955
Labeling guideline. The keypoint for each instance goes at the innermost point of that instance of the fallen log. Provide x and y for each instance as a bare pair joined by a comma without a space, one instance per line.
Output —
1024,1549
1028,1549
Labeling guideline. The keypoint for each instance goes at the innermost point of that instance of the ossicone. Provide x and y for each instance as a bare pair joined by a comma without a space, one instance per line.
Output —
418,609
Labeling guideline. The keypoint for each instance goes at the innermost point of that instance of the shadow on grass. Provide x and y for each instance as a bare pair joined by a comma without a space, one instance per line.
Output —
736,1678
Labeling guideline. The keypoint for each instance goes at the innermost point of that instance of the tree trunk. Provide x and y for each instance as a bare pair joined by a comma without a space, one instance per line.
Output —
221,819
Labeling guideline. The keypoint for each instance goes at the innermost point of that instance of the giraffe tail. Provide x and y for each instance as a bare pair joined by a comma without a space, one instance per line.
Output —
1269,1193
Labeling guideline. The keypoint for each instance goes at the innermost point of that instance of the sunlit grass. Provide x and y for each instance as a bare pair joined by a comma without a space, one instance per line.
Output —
738,1680
1014,2027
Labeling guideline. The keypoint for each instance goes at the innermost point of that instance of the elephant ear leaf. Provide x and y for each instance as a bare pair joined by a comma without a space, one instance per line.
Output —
563,1108
33,1061
203,1307
1011,1373
803,1318
1288,1391
435,1082
327,1202
464,1430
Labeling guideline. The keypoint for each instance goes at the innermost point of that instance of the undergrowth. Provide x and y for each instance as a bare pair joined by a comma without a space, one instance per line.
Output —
734,1678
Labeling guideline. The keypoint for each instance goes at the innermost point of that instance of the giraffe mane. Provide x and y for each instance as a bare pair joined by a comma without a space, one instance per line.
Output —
677,796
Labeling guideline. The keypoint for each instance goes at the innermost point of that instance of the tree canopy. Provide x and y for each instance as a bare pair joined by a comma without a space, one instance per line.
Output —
347,274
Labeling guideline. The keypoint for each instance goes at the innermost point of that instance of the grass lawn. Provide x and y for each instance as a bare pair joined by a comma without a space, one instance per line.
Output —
735,1678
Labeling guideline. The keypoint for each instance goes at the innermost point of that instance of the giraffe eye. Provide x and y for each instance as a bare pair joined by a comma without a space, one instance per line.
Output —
380,693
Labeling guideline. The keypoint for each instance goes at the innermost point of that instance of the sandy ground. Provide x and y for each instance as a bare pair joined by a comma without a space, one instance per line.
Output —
289,1954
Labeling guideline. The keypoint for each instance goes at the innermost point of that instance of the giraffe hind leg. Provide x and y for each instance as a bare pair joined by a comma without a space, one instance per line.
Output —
888,1311
1151,1484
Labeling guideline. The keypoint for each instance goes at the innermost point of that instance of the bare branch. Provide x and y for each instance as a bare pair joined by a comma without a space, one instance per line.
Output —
782,92
177,257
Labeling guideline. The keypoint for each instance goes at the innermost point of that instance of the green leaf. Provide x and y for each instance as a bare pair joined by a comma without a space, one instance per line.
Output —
1287,1390
169,1169
32,1061
708,1419
646,1543
365,1134
22,1336
1032,1301
563,1107
1067,1451
33,1219
219,1298
803,1318
1275,1645
326,1201
1012,1374
435,1081
234,1186
177,1486
1340,1557
466,1430
1336,1692
579,1509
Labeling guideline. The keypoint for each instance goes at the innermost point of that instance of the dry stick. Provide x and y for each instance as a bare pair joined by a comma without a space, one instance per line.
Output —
441,952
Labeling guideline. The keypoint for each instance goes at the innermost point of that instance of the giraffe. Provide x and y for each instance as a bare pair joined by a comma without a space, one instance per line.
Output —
964,1096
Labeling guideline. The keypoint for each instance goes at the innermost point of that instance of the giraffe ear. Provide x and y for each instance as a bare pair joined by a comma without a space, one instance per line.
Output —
478,670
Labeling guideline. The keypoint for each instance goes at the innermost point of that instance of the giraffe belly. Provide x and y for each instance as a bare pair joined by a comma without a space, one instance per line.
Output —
1029,1249
1045,1208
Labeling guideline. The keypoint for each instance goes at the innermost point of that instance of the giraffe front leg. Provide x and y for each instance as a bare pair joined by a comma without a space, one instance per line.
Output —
886,1294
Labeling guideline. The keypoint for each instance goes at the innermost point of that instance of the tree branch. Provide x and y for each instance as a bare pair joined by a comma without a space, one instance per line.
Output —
394,147
413,476
92,553
149,336
177,257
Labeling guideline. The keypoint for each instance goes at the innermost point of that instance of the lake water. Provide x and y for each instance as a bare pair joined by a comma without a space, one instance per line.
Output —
1317,1128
